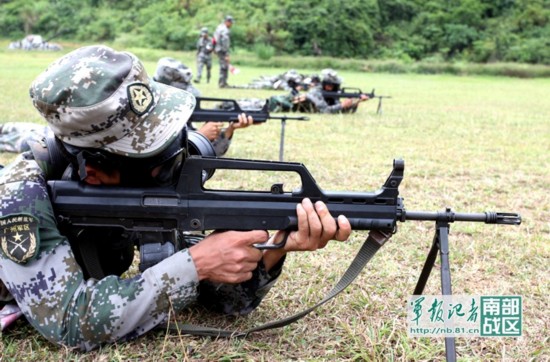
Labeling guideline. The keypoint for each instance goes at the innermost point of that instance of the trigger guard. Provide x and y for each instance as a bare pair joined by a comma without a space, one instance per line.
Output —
265,246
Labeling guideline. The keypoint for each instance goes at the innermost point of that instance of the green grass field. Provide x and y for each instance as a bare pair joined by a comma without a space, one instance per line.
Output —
471,143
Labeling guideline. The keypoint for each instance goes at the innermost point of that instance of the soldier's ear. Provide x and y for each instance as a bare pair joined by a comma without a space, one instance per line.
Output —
96,176
92,175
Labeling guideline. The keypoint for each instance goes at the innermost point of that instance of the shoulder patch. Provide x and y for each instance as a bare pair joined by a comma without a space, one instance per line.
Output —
19,238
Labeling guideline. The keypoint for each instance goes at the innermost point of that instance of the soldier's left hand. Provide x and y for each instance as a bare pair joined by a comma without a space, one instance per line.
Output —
316,226
244,121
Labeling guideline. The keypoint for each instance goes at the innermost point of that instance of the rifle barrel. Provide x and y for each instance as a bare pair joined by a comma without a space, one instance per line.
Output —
488,217
302,118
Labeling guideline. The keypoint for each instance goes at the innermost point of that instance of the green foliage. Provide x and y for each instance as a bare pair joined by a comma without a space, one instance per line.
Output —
407,30
263,51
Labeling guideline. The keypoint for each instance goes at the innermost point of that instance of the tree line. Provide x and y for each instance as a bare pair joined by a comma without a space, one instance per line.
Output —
445,30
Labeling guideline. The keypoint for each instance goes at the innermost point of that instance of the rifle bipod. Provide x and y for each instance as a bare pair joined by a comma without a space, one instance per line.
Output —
379,107
441,244
282,142
283,125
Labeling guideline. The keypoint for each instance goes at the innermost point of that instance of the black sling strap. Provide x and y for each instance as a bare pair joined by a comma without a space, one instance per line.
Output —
365,254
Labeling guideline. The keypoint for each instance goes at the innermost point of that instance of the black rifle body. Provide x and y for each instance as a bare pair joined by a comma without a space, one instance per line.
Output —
157,215
348,92
351,93
190,207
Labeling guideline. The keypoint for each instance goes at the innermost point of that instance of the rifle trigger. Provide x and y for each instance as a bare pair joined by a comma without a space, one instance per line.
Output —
265,246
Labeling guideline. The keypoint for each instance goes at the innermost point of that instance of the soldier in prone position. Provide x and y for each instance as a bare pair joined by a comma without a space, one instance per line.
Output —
116,126
172,72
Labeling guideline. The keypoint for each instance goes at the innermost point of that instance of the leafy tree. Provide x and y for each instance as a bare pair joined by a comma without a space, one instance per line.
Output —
475,30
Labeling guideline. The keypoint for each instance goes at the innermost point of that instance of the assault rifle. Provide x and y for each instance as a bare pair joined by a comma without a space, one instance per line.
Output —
228,110
155,215
297,87
349,92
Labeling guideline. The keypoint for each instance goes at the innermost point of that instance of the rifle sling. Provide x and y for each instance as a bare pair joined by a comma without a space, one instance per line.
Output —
365,254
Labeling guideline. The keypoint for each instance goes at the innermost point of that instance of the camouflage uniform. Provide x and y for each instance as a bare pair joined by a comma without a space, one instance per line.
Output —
276,82
97,98
15,136
315,98
173,72
204,55
223,43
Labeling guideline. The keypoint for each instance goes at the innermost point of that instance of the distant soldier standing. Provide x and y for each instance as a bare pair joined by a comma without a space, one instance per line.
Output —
204,55
222,44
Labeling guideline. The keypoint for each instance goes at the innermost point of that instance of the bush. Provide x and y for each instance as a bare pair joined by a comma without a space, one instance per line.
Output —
536,51
264,51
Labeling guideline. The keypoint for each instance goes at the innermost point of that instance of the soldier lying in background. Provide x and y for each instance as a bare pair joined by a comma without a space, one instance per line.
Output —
34,42
172,72
286,81
15,136
315,100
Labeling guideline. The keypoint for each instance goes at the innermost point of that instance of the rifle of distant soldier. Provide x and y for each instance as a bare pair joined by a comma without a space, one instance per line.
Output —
356,93
228,110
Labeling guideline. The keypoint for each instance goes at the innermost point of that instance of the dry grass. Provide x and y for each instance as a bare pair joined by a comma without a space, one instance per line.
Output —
470,143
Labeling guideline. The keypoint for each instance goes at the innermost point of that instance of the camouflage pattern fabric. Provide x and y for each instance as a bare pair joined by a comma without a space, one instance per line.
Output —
204,57
281,103
330,76
319,103
221,143
37,265
174,73
34,42
15,136
285,81
223,44
96,97
49,286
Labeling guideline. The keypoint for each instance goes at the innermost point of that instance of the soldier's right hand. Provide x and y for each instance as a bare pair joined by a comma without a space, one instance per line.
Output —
299,99
347,103
211,130
229,256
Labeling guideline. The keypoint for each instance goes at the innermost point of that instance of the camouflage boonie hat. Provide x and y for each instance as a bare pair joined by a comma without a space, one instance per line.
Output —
204,30
330,76
170,70
292,75
96,97
229,18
